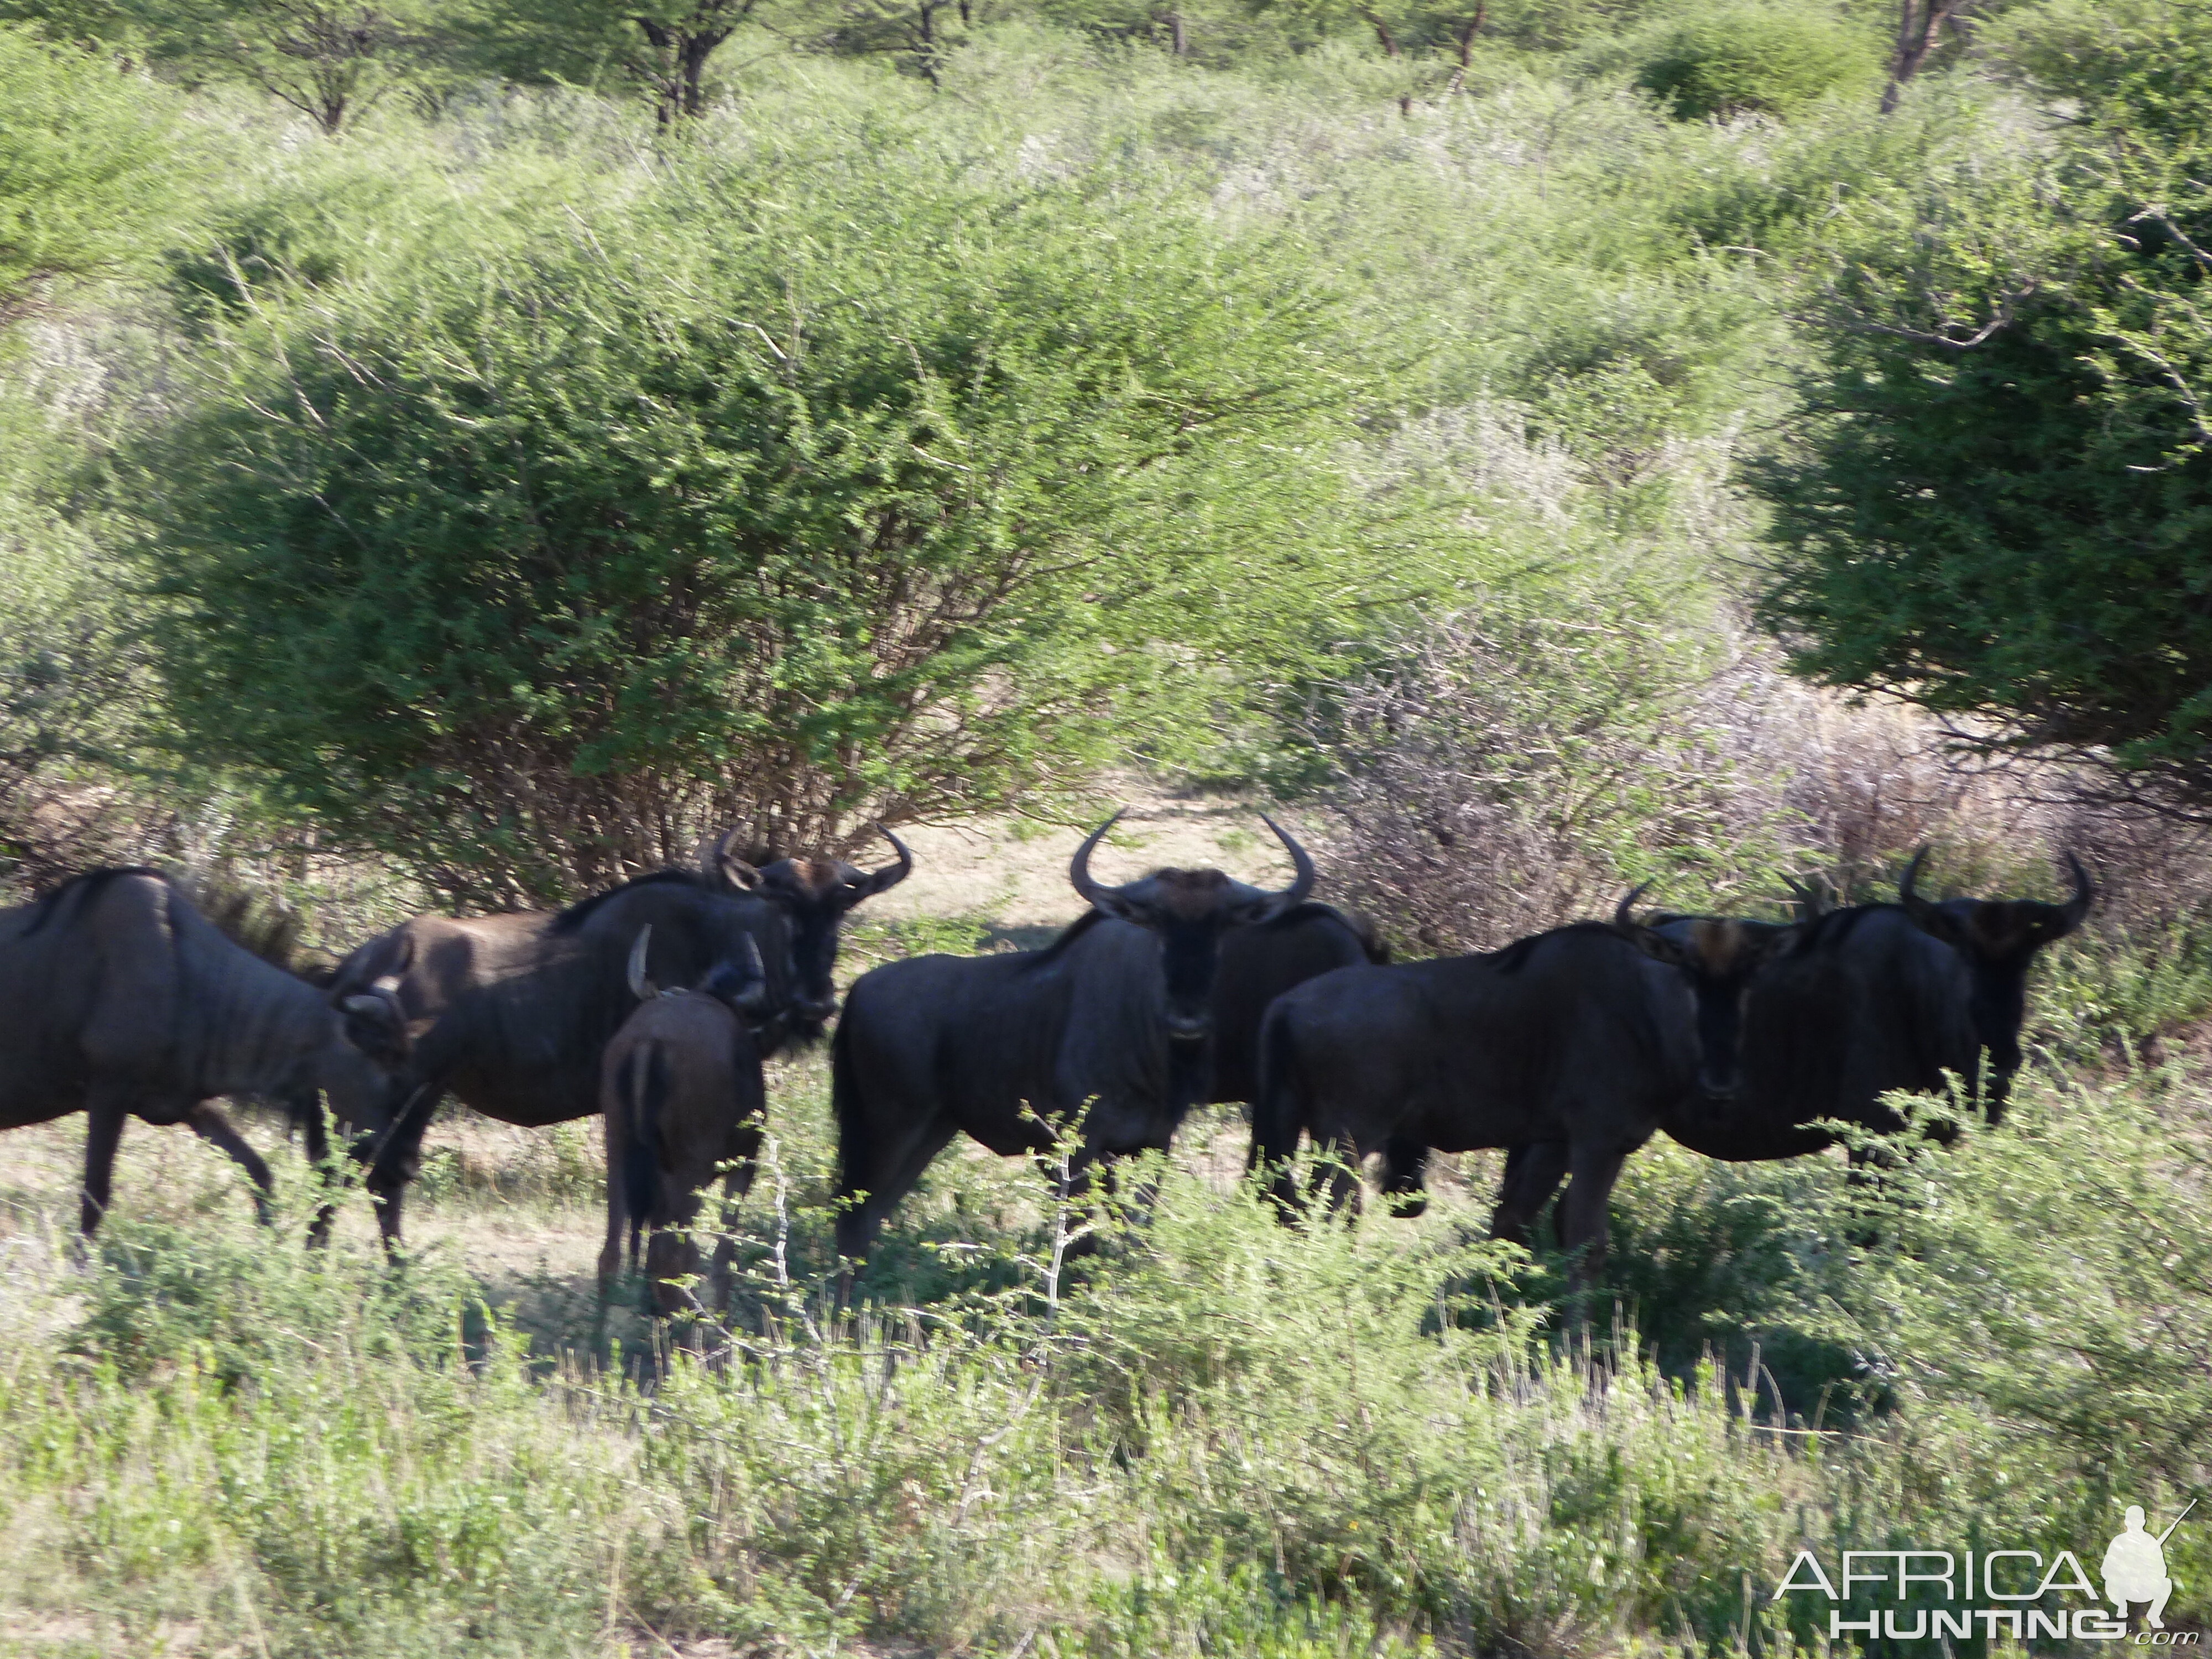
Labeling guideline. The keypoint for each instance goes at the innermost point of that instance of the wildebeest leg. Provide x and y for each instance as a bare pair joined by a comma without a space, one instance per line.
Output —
211,1126
1993,1082
1337,1171
744,1164
105,1108
611,1253
890,1177
1594,1169
392,1165
1533,1174
1404,1161
315,1131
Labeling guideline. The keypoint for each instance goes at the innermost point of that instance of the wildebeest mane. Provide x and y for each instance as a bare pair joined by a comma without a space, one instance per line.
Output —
80,889
1363,927
1512,959
1074,931
582,910
248,917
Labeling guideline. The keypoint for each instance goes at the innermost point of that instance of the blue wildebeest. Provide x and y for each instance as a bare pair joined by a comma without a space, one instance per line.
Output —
1581,1039
511,1014
1114,1013
682,1096
1865,1003
1998,939
124,1001
1258,964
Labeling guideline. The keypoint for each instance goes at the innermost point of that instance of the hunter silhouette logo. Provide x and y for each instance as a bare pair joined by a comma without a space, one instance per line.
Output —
2135,1567
1996,1594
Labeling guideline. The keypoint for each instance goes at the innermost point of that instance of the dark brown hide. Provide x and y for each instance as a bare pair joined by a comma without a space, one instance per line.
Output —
1258,964
1113,1015
1997,940
124,1001
1575,1037
512,1014
683,1098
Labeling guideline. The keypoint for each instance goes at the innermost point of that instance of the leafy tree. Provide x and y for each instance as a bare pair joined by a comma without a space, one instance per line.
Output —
790,498
331,60
663,47
2000,500
2133,70
1401,28
84,155
1766,58
1924,29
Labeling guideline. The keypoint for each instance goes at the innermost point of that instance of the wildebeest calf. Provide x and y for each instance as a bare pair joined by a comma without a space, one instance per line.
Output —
681,1089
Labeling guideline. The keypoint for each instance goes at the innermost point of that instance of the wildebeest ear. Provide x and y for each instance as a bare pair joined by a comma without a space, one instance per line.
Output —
1112,901
1657,946
374,1024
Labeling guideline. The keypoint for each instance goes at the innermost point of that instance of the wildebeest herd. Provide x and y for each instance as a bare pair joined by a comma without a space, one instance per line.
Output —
656,1002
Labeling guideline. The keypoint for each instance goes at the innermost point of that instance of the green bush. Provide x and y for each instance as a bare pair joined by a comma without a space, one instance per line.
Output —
795,492
1218,1436
1758,59
88,166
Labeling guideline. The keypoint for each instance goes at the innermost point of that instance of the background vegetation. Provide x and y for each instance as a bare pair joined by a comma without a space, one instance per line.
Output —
456,452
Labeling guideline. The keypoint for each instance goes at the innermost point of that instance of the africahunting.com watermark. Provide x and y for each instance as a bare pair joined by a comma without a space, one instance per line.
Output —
1993,1586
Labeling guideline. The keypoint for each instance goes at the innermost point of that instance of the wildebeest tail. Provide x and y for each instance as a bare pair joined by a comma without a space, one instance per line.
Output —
644,1095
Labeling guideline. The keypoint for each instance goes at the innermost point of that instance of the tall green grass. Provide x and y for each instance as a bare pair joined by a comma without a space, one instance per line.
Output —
1212,1434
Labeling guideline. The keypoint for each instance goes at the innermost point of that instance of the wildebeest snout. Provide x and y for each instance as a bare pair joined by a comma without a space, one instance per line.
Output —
1190,1024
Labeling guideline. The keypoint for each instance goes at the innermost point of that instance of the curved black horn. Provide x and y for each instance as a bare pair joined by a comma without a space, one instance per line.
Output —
639,987
1078,871
2072,911
891,874
728,866
376,1024
1302,881
1810,899
1915,905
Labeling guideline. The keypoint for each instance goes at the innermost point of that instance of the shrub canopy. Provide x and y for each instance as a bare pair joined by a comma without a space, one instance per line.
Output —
1767,59
1999,502
786,496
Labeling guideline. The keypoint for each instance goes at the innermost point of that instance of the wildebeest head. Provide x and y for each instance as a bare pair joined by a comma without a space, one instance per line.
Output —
1721,957
369,1076
1189,910
1997,938
814,894
742,985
